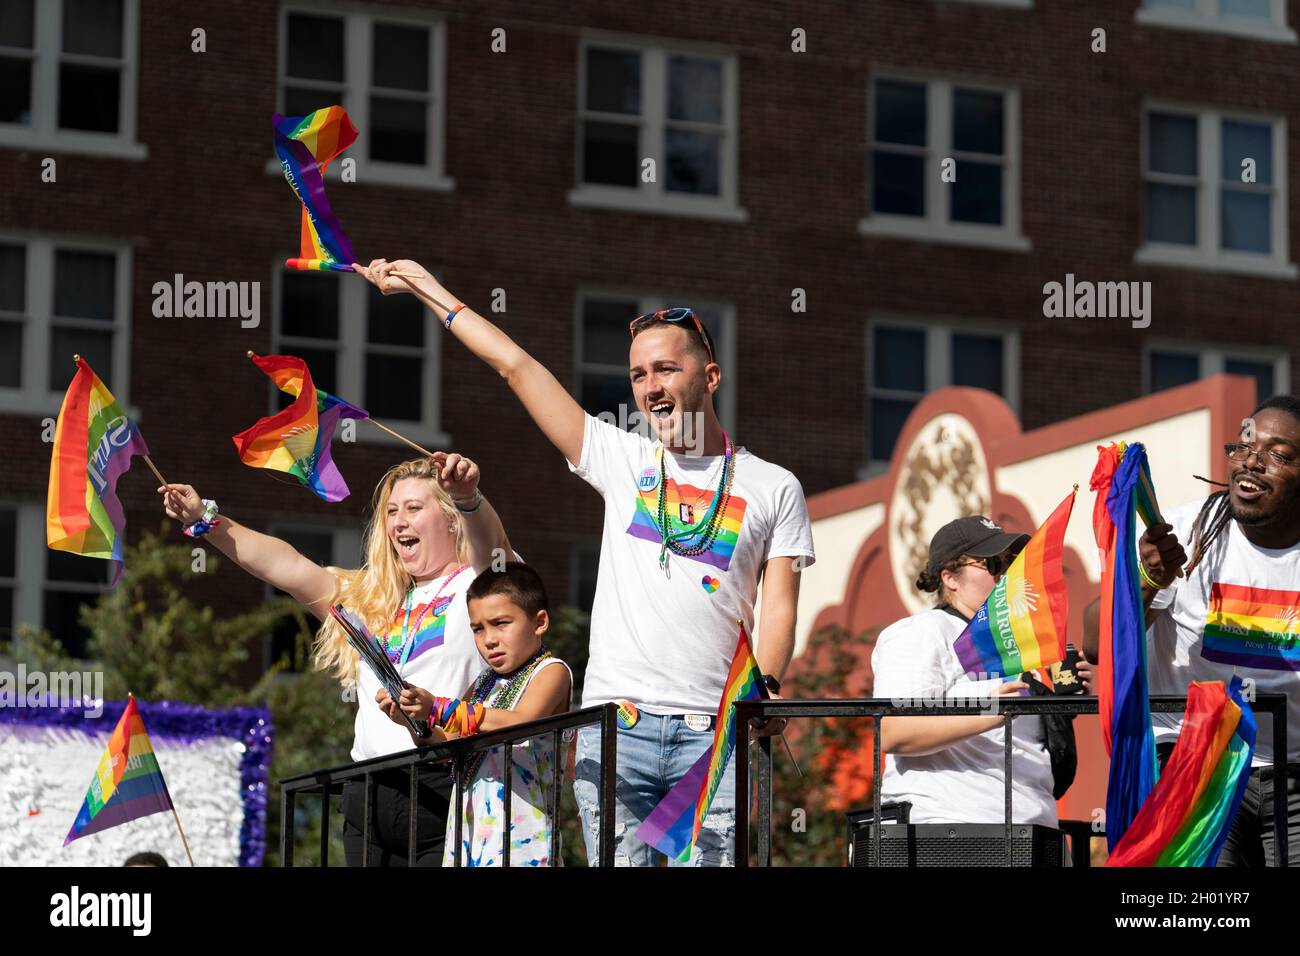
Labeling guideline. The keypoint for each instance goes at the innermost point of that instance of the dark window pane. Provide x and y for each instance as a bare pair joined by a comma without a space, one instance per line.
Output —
300,101
318,547
93,27
610,395
89,98
94,346
976,196
1247,141
8,541
887,418
62,609
695,89
586,563
394,319
900,113
16,23
15,90
65,567
315,47
395,387
1172,144
309,305
11,355
399,130
977,122
13,279
401,57
1246,220
898,184
610,153
614,81
1169,369
605,336
899,359
6,614
693,161
1171,214
85,285
1262,371
323,366
977,362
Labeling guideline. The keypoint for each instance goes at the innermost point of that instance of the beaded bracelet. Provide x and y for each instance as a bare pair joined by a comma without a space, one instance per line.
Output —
207,522
1142,570
452,314
477,499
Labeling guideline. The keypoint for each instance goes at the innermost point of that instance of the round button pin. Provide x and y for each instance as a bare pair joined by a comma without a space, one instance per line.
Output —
627,715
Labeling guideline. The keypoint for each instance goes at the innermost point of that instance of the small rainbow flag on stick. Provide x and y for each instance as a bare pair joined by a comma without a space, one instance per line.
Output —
1186,817
94,442
1021,626
305,145
127,784
673,827
297,439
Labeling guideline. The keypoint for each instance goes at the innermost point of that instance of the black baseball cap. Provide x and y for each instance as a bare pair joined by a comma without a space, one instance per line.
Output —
975,535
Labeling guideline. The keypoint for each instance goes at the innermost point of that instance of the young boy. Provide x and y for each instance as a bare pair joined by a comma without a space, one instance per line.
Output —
508,615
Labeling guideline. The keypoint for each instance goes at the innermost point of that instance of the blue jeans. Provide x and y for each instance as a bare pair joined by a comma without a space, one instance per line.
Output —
653,754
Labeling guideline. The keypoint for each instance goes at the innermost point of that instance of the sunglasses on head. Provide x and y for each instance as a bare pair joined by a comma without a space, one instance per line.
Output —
676,317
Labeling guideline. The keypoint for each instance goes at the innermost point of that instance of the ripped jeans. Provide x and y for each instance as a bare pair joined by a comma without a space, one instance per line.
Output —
653,754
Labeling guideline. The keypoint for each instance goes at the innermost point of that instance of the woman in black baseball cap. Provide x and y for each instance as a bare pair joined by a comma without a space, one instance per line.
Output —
949,768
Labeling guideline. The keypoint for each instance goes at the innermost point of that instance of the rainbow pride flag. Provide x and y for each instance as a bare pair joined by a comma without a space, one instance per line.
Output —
305,145
1186,818
127,784
673,826
1021,627
1122,481
297,439
94,442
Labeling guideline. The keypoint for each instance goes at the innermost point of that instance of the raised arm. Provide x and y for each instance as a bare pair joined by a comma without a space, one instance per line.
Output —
483,529
549,403
272,560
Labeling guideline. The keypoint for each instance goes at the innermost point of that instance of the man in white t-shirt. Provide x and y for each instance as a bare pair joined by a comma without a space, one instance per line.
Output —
692,525
1235,609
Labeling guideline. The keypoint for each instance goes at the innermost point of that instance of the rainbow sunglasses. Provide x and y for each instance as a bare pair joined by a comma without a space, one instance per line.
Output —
675,316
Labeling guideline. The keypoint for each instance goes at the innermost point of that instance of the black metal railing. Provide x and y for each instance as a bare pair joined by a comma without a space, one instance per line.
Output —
457,753
875,708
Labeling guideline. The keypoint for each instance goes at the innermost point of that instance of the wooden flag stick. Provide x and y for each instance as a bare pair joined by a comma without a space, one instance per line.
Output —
410,278
401,438
183,840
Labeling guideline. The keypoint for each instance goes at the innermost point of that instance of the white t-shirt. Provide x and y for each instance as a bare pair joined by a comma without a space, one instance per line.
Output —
665,641
443,659
1249,600
913,659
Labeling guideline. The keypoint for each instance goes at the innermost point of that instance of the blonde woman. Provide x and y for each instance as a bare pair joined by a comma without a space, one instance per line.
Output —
430,533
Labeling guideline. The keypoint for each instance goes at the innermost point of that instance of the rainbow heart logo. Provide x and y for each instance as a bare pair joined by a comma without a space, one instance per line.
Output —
710,584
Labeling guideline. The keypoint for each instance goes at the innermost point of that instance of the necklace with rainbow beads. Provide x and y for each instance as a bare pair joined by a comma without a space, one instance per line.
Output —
705,531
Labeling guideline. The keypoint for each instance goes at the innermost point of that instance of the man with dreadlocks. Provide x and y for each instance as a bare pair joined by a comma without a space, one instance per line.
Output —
1234,608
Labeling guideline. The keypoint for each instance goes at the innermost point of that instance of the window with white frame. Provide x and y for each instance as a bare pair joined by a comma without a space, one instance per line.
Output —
602,344
908,360
916,128
336,547
41,587
60,298
1173,365
584,565
1260,19
379,352
68,75
676,107
387,70
1214,191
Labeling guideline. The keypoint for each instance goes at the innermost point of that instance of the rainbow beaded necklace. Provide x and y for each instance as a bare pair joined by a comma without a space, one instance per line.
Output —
705,531
505,700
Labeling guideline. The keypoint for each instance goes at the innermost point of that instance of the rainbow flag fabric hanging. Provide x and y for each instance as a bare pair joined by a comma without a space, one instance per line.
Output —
673,827
1122,481
127,784
305,145
1021,626
94,442
1186,818
296,440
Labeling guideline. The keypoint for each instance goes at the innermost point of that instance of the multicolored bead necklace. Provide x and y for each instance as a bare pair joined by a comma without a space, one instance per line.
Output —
505,700
705,531
399,657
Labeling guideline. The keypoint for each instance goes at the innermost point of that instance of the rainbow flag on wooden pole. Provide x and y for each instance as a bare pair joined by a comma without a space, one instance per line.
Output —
1021,626
673,826
306,145
94,442
128,783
